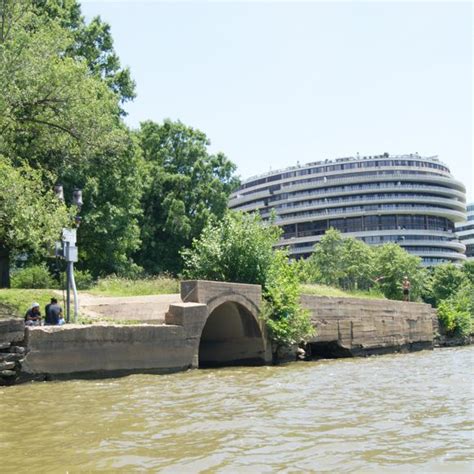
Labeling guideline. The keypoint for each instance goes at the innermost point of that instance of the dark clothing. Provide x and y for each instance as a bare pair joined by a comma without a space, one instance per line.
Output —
53,313
32,318
406,291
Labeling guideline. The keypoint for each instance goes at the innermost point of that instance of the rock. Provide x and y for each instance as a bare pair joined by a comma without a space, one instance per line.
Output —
18,349
7,373
7,365
10,356
4,345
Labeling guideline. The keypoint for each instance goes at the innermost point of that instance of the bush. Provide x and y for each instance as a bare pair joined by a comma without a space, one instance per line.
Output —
36,276
83,279
287,322
456,313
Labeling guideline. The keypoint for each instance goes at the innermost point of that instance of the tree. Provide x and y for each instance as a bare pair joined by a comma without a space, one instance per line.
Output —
58,116
31,217
340,261
446,280
237,248
326,258
92,43
184,187
391,264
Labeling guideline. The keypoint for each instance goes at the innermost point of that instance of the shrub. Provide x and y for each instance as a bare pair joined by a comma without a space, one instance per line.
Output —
456,313
36,276
83,279
287,322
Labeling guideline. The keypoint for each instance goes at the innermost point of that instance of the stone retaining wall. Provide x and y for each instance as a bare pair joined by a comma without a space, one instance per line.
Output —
362,326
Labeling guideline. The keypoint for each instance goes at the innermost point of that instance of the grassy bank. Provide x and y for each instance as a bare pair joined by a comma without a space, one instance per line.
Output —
323,290
114,286
20,300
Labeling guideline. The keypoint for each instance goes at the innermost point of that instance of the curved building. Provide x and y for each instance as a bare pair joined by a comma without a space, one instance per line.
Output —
465,232
407,199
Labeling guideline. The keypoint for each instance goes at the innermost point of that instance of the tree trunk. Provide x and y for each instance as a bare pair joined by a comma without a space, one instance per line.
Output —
4,267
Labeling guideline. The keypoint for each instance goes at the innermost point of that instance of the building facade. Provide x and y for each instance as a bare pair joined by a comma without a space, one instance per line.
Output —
407,199
465,232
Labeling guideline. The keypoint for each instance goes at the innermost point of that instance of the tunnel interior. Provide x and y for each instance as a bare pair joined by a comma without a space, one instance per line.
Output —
231,336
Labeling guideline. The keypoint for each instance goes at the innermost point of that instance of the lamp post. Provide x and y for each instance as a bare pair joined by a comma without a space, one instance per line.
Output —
68,250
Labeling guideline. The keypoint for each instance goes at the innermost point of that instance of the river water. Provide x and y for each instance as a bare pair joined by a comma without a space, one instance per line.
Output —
410,413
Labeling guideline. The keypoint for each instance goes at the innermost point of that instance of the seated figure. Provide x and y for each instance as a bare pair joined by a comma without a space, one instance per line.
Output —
33,315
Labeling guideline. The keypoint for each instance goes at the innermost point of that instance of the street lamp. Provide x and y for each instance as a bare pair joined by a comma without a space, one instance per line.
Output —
67,249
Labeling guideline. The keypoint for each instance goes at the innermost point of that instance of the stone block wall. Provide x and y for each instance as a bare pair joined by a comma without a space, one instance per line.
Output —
363,326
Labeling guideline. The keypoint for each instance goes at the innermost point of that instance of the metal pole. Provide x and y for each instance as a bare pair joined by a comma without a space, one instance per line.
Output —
68,289
74,290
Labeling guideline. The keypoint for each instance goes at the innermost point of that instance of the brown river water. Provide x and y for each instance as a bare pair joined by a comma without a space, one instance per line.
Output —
395,413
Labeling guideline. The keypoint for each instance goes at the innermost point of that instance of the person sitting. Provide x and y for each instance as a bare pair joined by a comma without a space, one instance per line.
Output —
53,314
33,315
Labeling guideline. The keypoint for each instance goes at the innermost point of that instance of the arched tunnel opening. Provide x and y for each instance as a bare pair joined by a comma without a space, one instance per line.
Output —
231,336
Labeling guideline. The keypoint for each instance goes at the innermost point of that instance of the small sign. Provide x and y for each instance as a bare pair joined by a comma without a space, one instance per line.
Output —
69,235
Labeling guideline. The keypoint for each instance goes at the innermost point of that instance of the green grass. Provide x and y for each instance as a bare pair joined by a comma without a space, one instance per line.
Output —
323,290
114,286
20,300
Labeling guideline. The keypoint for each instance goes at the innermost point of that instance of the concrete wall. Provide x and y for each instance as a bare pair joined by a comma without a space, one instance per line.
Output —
219,323
362,326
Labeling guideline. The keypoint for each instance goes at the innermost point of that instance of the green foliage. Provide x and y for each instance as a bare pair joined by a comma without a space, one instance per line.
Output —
60,113
31,217
184,187
92,43
342,262
287,322
237,248
391,264
21,299
456,313
324,290
446,279
468,270
36,276
83,279
116,286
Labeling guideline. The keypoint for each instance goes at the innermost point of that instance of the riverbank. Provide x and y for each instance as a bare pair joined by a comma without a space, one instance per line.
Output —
215,324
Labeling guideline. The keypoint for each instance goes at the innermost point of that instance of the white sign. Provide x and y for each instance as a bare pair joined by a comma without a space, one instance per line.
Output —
69,235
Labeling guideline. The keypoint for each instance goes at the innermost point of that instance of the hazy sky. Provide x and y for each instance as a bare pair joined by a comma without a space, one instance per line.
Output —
274,83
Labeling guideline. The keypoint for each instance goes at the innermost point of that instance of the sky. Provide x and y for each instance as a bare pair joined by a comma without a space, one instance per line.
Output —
273,84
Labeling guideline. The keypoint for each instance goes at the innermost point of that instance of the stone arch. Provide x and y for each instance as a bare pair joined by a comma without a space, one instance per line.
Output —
232,333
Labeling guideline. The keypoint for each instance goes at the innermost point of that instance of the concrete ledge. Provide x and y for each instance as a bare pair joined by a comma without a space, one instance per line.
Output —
97,348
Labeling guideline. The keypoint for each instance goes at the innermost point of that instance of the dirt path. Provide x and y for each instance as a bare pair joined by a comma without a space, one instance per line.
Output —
150,308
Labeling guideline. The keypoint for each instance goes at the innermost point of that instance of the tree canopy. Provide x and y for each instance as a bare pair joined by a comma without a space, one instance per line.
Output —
185,186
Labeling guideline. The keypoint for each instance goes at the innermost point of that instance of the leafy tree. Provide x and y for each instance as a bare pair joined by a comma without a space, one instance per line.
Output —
31,217
446,280
326,258
57,116
239,248
92,42
357,261
185,186
391,265
468,270
236,248
340,261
